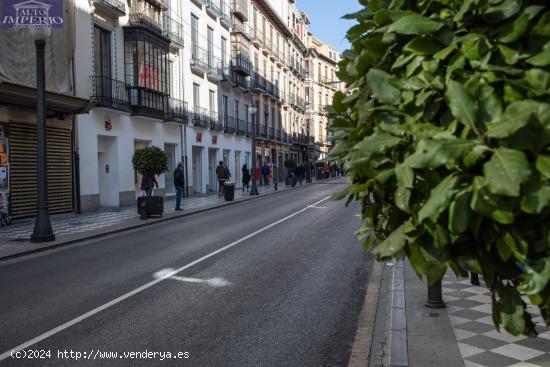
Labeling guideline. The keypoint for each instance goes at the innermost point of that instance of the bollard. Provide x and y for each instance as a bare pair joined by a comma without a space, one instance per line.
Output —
435,296
474,279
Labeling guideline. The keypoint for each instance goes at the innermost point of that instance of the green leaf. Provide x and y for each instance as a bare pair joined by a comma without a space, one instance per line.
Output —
439,200
504,10
484,202
415,24
538,79
536,199
516,116
432,153
518,28
405,176
383,86
542,28
402,198
510,56
511,310
460,213
462,105
506,171
377,143
542,58
475,155
543,165
505,246
391,245
538,276
423,46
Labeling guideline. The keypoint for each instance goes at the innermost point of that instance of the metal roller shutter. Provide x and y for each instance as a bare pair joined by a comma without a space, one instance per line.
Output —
24,170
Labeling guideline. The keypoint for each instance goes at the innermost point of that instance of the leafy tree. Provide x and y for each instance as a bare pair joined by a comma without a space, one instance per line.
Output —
150,161
446,136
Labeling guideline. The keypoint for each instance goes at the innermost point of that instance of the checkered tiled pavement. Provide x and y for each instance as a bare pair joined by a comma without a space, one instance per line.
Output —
75,224
469,309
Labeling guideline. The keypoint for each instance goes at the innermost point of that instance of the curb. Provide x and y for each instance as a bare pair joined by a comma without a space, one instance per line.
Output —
151,221
360,354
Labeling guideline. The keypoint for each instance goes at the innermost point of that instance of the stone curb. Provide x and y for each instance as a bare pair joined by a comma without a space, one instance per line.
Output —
149,222
360,354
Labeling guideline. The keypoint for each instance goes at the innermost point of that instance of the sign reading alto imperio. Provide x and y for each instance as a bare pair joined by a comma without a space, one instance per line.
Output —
32,14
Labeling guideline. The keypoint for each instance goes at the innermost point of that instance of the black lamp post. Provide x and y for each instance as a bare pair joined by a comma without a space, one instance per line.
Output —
43,231
254,188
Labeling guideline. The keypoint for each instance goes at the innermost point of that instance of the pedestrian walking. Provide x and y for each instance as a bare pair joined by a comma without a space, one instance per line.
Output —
300,173
265,173
179,184
246,177
148,183
223,175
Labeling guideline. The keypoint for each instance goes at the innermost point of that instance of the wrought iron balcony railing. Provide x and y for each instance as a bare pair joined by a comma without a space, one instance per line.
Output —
241,63
148,102
213,8
114,7
229,124
172,29
240,9
199,58
242,28
200,117
146,19
226,17
108,92
215,124
178,111
241,127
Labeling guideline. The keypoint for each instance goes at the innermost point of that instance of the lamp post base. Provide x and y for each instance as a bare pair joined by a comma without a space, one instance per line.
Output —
435,297
43,231
254,189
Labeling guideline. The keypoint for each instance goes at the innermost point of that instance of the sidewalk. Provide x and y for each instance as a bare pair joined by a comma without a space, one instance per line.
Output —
406,333
70,227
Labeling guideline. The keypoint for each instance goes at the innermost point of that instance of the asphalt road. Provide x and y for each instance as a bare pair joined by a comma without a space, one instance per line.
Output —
269,282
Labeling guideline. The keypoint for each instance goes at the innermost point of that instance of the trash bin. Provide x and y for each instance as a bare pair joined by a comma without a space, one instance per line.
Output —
229,191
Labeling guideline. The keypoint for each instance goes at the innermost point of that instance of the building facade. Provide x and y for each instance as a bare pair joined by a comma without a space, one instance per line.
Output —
180,75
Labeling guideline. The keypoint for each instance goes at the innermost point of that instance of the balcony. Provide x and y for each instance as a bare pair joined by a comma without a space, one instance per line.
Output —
257,37
228,124
200,117
215,72
199,60
249,127
177,111
225,19
227,77
173,30
240,9
215,124
213,8
241,127
198,3
271,133
242,83
261,131
109,93
258,83
285,137
241,63
114,8
268,91
147,102
148,20
242,28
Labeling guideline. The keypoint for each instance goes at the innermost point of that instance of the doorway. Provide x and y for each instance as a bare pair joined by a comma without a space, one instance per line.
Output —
237,168
170,151
212,179
107,171
197,169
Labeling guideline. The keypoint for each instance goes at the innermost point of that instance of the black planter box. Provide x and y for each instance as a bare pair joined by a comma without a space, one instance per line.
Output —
148,206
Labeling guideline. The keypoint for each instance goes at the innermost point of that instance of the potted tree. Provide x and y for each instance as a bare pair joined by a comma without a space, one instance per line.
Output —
150,162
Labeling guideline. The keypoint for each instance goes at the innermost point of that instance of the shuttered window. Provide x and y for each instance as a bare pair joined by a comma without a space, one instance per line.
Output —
23,175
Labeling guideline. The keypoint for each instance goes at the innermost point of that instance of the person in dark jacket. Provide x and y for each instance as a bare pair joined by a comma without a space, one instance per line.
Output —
179,183
223,175
300,173
148,183
246,177
265,172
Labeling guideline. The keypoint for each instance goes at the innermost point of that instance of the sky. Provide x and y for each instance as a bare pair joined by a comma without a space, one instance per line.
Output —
326,23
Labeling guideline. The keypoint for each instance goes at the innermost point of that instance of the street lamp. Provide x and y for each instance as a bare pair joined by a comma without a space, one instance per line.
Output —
254,188
43,231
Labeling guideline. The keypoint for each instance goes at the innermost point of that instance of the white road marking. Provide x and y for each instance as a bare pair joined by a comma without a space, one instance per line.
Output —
162,276
213,282
318,207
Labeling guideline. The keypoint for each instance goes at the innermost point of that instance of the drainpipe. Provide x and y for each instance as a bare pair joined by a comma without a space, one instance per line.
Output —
76,154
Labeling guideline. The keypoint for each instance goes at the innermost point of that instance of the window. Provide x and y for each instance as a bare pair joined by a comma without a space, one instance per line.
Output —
212,101
146,65
102,52
210,42
196,95
194,35
236,113
224,51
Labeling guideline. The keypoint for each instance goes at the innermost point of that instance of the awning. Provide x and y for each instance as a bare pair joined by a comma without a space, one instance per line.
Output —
25,96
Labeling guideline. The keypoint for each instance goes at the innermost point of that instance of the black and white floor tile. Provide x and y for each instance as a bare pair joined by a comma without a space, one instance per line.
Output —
480,344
